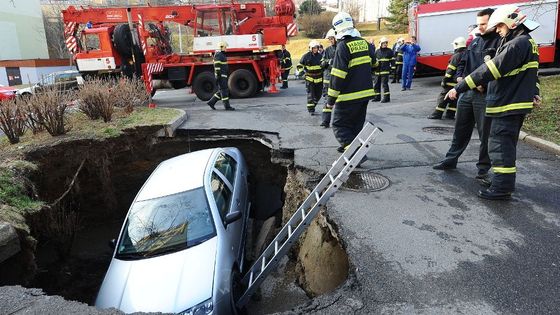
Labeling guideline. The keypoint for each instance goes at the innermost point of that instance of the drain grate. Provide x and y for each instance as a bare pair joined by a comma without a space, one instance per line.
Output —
439,130
366,182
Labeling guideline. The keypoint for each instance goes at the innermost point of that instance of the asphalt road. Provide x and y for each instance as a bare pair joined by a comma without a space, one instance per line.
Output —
427,243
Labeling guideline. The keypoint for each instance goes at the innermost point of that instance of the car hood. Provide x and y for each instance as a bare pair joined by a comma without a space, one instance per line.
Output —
170,283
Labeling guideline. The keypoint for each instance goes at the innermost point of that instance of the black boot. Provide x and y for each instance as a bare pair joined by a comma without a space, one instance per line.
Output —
386,99
284,85
435,115
376,99
212,102
492,194
450,114
227,106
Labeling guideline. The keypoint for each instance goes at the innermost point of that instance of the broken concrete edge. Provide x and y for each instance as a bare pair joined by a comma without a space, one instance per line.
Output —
9,241
540,143
169,129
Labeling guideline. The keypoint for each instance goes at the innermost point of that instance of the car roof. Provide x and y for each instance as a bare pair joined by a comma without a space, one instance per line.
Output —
178,174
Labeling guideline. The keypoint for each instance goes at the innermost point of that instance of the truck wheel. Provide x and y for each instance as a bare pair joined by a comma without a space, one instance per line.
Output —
242,83
178,84
123,40
204,85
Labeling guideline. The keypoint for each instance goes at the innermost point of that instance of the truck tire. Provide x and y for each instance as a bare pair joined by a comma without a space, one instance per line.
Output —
242,83
123,40
204,85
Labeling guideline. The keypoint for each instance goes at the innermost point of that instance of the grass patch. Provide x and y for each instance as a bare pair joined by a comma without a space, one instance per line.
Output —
82,126
544,121
14,188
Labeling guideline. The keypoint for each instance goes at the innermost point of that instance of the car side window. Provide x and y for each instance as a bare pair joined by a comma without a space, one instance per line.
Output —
222,195
227,165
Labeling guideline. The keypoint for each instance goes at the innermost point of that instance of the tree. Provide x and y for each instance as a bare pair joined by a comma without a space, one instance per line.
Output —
310,7
398,14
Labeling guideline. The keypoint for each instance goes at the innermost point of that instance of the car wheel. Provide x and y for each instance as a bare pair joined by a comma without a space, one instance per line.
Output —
26,96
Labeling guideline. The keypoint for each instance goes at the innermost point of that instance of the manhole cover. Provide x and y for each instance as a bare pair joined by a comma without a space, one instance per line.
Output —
439,130
366,181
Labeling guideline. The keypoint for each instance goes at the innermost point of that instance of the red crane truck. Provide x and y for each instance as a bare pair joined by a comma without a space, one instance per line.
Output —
136,41
436,25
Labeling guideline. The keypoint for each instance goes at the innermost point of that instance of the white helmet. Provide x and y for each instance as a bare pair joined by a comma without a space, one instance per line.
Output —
512,17
459,42
222,45
344,25
400,40
383,40
330,33
314,43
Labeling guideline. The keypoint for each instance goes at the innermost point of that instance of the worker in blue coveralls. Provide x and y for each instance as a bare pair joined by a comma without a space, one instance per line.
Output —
410,49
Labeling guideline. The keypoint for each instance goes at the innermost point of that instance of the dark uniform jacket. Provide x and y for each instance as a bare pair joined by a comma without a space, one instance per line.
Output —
481,49
398,55
351,72
384,58
312,64
326,63
450,79
512,75
285,60
220,65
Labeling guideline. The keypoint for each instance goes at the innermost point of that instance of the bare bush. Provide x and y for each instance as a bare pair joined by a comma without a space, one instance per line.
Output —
12,120
48,109
316,26
129,93
96,99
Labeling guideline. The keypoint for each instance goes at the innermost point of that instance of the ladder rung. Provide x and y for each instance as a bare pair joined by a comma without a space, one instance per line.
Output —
346,160
331,178
263,263
361,141
317,196
251,278
302,214
275,248
289,231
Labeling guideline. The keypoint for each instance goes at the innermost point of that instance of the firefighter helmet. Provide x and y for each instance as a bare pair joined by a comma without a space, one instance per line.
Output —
512,17
344,25
313,44
459,42
222,45
383,40
400,40
330,33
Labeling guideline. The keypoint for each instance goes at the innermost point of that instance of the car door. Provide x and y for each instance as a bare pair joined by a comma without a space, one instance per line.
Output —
227,168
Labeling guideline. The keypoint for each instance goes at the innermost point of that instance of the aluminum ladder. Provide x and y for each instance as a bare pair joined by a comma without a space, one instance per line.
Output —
329,184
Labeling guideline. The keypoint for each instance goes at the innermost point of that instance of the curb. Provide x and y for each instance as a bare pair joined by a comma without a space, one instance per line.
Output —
540,143
168,130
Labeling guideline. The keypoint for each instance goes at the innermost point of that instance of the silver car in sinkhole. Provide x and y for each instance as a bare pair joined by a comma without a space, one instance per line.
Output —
181,247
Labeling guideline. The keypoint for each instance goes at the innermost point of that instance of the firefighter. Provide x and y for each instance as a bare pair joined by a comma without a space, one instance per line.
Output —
285,66
471,106
384,57
326,63
410,49
449,81
398,63
311,65
513,89
351,86
221,74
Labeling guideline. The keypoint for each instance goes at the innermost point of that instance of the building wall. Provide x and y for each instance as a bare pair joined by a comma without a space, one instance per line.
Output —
22,33
32,75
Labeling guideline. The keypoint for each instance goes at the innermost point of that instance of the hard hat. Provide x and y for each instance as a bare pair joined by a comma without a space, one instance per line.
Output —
512,17
400,40
344,25
313,43
222,45
330,33
459,42
383,40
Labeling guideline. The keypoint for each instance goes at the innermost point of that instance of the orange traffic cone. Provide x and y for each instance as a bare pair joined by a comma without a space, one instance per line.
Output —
273,88
152,105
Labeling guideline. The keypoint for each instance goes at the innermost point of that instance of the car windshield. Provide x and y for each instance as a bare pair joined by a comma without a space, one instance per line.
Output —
48,79
166,224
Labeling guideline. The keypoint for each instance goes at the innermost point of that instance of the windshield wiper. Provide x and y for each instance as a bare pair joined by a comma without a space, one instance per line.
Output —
127,256
166,250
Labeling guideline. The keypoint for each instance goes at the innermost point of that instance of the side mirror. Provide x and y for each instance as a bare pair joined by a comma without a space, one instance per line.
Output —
112,243
233,216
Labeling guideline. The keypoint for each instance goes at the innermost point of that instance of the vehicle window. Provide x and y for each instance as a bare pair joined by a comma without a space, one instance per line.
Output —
92,42
49,79
166,224
227,166
65,77
222,195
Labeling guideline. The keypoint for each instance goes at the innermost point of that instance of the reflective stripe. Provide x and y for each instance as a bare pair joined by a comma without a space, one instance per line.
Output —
346,147
384,59
538,86
327,110
440,109
531,64
313,67
452,67
447,75
224,75
333,93
492,66
376,93
470,82
386,93
450,84
359,61
399,62
220,62
339,73
311,105
505,108
504,170
314,80
452,109
326,81
355,95
225,98
382,72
